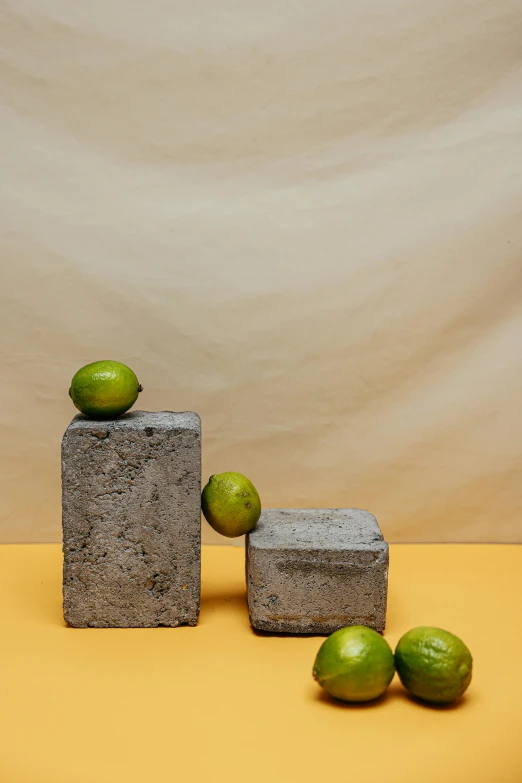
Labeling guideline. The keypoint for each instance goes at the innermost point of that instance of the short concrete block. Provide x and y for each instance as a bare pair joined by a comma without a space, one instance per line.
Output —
131,500
316,570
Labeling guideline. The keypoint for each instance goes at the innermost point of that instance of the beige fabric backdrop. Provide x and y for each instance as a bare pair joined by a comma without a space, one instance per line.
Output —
300,219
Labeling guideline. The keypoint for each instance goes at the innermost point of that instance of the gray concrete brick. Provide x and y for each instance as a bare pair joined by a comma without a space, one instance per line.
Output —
316,570
131,501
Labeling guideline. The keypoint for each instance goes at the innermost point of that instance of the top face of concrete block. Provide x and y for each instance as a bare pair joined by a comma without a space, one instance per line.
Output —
316,528
139,420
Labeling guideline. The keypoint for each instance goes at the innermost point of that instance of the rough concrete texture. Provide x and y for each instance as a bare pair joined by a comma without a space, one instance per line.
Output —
131,499
316,570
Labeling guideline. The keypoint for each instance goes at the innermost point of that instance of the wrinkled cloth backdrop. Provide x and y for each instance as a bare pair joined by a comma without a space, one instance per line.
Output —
301,220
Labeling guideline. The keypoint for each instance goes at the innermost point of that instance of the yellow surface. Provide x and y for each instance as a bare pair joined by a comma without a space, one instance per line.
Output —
220,703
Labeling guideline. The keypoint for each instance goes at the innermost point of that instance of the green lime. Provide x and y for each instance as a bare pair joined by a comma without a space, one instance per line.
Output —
354,664
103,390
231,504
433,664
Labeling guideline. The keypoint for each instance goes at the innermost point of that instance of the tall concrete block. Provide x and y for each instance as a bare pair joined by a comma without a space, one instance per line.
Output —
131,500
316,570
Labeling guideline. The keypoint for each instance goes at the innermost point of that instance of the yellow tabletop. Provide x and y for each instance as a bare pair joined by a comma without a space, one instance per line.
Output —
221,703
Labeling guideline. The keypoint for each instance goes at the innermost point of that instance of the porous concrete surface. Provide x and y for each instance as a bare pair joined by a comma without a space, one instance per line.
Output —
316,570
131,517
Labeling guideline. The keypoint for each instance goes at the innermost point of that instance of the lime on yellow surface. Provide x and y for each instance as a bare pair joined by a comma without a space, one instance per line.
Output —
104,389
354,664
231,504
433,664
